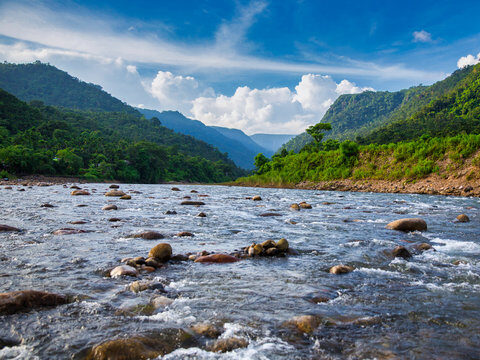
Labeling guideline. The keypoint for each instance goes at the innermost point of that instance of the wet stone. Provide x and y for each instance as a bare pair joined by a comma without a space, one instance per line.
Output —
401,251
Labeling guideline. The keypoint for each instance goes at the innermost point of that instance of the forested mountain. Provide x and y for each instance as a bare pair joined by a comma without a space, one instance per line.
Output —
41,139
240,152
271,142
356,115
244,139
44,82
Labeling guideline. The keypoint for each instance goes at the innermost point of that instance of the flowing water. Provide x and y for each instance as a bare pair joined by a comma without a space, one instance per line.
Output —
424,308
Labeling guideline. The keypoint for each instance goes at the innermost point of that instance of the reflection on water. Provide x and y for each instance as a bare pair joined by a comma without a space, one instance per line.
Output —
426,307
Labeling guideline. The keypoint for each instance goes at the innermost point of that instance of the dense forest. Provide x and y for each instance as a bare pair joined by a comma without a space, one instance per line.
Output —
39,139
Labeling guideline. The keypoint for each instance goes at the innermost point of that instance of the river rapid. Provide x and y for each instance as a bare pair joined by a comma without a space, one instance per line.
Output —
425,307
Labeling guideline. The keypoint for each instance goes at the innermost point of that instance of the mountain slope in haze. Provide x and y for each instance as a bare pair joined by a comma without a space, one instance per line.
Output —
242,155
241,137
44,82
271,142
46,140
356,115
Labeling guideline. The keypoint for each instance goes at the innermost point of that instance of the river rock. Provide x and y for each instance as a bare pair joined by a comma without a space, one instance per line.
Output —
304,205
148,235
185,234
160,301
229,344
217,259
77,222
272,252
123,270
142,285
125,197
206,329
75,187
114,192
170,212
152,262
68,231
304,323
268,214
79,192
295,207
189,202
401,251
114,186
256,198
202,214
463,218
114,219
110,207
162,252
423,247
282,244
267,244
341,269
26,300
47,205
412,224
7,228
142,347
175,189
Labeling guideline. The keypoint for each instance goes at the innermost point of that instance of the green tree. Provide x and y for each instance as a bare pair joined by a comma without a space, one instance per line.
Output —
260,160
316,131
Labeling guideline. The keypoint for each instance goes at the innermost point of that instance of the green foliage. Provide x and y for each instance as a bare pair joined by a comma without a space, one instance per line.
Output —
316,131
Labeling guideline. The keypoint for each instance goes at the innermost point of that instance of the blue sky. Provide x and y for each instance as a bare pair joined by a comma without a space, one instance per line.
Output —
262,66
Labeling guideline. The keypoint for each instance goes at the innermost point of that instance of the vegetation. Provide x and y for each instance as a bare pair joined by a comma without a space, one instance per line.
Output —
40,139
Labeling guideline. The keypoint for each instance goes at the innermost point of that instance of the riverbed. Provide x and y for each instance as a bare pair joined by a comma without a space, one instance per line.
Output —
424,307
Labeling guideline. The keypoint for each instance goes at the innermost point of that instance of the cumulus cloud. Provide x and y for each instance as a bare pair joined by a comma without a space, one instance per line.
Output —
276,110
422,36
132,69
468,60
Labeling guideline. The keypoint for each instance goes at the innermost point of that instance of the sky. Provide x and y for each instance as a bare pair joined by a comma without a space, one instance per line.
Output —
262,66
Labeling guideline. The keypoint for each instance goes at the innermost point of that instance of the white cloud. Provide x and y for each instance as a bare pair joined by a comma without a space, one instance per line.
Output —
275,110
468,60
132,69
422,36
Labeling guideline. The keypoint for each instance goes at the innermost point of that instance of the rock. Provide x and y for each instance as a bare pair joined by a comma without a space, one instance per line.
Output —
207,330
162,252
187,197
148,235
229,344
161,301
26,300
341,269
125,197
412,224
295,207
123,270
47,205
114,219
194,191
142,347
305,323
291,251
267,244
423,247
192,257
179,257
256,198
327,203
175,189
152,262
463,218
217,259
468,188
319,299
148,269
75,187
139,260
304,205
272,252
270,214
189,202
68,231
114,192
8,188
110,207
170,212
77,222
21,190
7,228
202,214
80,192
142,285
282,245
82,205
203,195
459,262
401,251
184,234
113,186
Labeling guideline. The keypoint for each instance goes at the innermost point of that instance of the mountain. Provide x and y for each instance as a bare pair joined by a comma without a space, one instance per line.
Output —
271,142
41,139
356,115
44,82
226,140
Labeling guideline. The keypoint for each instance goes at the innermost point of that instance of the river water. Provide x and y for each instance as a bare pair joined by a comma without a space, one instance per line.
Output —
422,308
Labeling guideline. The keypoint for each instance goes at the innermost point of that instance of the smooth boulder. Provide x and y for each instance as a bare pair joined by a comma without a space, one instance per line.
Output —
110,207
341,269
195,203
79,192
8,228
149,235
282,244
123,270
114,192
256,198
462,218
217,259
401,251
162,252
229,344
26,300
411,224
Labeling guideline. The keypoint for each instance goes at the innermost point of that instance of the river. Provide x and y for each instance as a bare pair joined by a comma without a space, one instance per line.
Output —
424,307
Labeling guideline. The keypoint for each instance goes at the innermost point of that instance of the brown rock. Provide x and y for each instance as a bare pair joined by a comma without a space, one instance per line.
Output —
304,205
188,202
161,301
148,235
162,252
115,193
170,212
185,234
113,186
80,192
5,228
305,323
267,244
412,224
26,300
341,269
125,197
270,214
423,247
110,207
175,189
229,344
217,259
68,231
463,218
46,205
75,187
295,207
206,329
272,252
77,222
123,270
401,251
256,198
202,214
152,262
282,244
114,219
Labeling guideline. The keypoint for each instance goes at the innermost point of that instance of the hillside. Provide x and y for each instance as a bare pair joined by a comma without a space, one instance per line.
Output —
46,140
44,82
241,153
271,142
353,116
242,138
